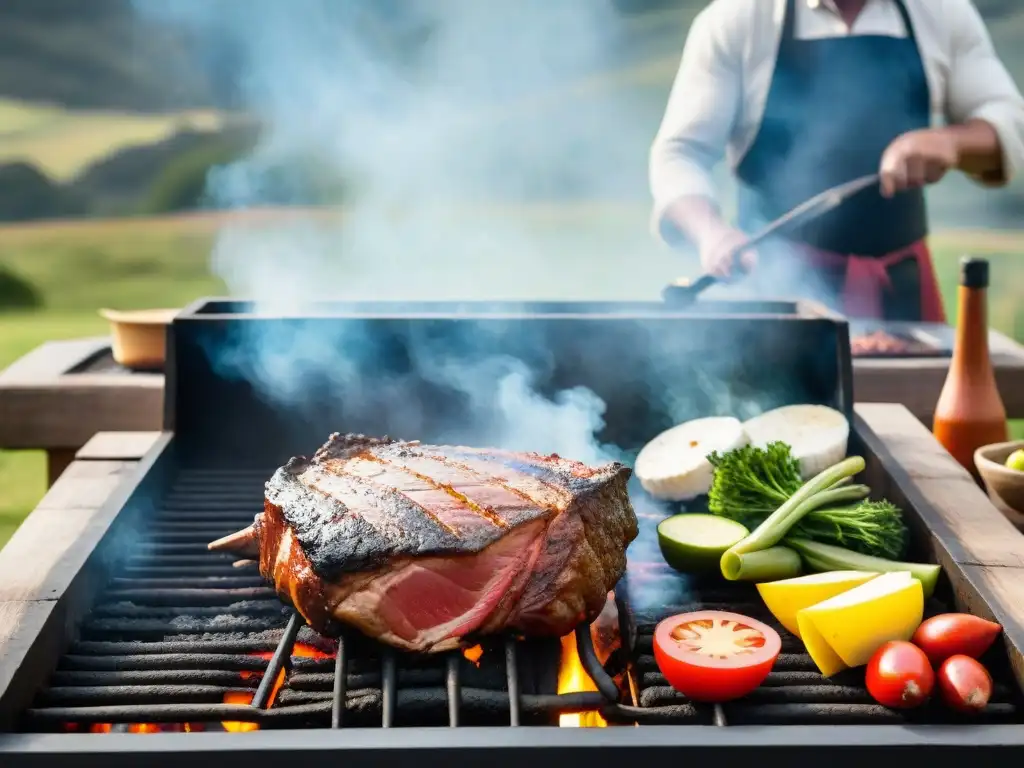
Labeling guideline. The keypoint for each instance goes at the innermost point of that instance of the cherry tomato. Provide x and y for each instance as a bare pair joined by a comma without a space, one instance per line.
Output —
714,656
964,684
900,676
952,634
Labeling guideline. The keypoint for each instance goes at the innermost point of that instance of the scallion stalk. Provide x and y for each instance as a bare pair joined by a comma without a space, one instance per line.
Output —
815,493
825,557
770,564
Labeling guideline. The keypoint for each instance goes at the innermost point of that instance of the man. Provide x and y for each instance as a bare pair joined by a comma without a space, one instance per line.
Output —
802,95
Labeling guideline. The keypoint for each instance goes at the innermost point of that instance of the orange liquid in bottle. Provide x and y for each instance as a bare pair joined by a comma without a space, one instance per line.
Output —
970,411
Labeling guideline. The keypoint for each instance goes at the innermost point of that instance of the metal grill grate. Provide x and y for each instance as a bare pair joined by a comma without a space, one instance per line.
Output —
180,630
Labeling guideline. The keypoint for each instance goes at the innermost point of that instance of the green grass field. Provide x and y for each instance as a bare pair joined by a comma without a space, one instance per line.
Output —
164,262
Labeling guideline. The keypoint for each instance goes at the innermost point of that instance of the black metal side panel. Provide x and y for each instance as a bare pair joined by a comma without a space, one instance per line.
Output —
251,390
836,746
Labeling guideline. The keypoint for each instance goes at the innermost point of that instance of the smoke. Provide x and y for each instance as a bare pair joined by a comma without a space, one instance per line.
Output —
470,163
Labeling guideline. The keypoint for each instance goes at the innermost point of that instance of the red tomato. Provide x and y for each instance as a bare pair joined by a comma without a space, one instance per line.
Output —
952,634
965,685
714,656
900,676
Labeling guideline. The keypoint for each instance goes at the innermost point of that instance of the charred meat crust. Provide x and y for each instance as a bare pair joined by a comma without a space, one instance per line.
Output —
350,522
425,547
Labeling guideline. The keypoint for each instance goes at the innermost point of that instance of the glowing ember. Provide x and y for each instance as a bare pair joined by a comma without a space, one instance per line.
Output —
573,678
301,650
473,654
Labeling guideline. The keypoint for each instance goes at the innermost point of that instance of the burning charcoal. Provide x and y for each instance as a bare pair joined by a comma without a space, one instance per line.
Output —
676,714
661,696
181,677
777,678
108,628
774,679
175,615
81,696
808,694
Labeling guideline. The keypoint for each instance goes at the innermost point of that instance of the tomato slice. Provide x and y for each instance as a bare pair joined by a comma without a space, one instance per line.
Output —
714,656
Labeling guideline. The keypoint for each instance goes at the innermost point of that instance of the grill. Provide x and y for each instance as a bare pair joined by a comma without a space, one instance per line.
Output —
178,643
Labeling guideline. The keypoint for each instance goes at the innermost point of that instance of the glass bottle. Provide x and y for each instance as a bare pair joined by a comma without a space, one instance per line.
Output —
970,411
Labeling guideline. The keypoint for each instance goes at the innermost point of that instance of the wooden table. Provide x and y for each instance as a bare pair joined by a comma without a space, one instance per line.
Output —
62,393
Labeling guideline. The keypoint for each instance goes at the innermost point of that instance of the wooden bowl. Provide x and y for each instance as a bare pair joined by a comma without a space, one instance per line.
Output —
1005,486
139,336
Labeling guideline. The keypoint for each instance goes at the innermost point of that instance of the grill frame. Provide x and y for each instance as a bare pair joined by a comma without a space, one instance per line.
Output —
548,746
841,746
656,344
887,439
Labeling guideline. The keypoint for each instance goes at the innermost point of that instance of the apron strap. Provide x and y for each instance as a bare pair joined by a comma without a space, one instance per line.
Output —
905,15
867,278
789,22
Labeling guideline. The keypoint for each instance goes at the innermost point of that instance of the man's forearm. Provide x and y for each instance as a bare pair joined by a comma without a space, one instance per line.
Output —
979,149
698,218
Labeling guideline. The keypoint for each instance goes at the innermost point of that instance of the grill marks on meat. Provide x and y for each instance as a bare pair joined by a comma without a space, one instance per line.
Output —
421,545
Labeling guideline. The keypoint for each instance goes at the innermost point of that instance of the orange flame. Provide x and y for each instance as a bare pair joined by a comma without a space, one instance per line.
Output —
473,654
138,728
573,678
301,650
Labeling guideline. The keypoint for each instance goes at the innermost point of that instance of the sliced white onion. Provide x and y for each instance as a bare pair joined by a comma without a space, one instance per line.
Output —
674,465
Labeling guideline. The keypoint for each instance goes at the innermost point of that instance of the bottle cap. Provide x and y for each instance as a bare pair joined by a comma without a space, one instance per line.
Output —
973,272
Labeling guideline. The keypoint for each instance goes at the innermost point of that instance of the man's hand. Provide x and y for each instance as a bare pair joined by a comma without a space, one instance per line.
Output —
918,158
717,246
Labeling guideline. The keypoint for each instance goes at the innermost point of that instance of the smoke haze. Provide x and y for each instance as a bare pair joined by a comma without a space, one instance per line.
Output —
469,174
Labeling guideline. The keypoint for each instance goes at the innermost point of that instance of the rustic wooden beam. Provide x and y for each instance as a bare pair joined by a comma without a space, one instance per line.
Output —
48,572
117,446
46,403
906,460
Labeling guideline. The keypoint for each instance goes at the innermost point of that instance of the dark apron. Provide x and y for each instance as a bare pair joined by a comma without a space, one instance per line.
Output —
834,106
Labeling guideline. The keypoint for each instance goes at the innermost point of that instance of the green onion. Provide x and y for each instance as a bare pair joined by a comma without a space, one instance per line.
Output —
816,492
825,557
770,564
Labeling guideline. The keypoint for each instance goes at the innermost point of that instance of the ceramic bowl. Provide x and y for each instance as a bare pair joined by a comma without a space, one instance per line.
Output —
139,336
1005,486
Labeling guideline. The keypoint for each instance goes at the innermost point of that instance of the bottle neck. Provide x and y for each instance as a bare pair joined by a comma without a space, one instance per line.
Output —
971,354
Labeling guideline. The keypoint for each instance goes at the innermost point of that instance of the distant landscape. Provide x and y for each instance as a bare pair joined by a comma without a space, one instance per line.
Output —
111,122
106,112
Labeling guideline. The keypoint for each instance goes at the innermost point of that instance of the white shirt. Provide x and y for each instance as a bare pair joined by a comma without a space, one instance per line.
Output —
719,96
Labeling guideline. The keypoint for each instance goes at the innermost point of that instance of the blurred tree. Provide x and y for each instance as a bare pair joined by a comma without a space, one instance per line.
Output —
26,194
17,293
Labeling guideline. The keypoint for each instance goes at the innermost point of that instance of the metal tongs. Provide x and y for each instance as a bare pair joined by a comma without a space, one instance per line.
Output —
683,292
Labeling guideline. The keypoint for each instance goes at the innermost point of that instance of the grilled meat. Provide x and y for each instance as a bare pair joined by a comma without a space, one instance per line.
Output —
423,546
880,343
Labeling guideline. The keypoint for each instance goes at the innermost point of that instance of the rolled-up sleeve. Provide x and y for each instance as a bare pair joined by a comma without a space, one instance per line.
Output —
699,119
980,88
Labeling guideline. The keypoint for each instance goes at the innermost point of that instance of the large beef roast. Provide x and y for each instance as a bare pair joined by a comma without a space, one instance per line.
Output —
423,546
